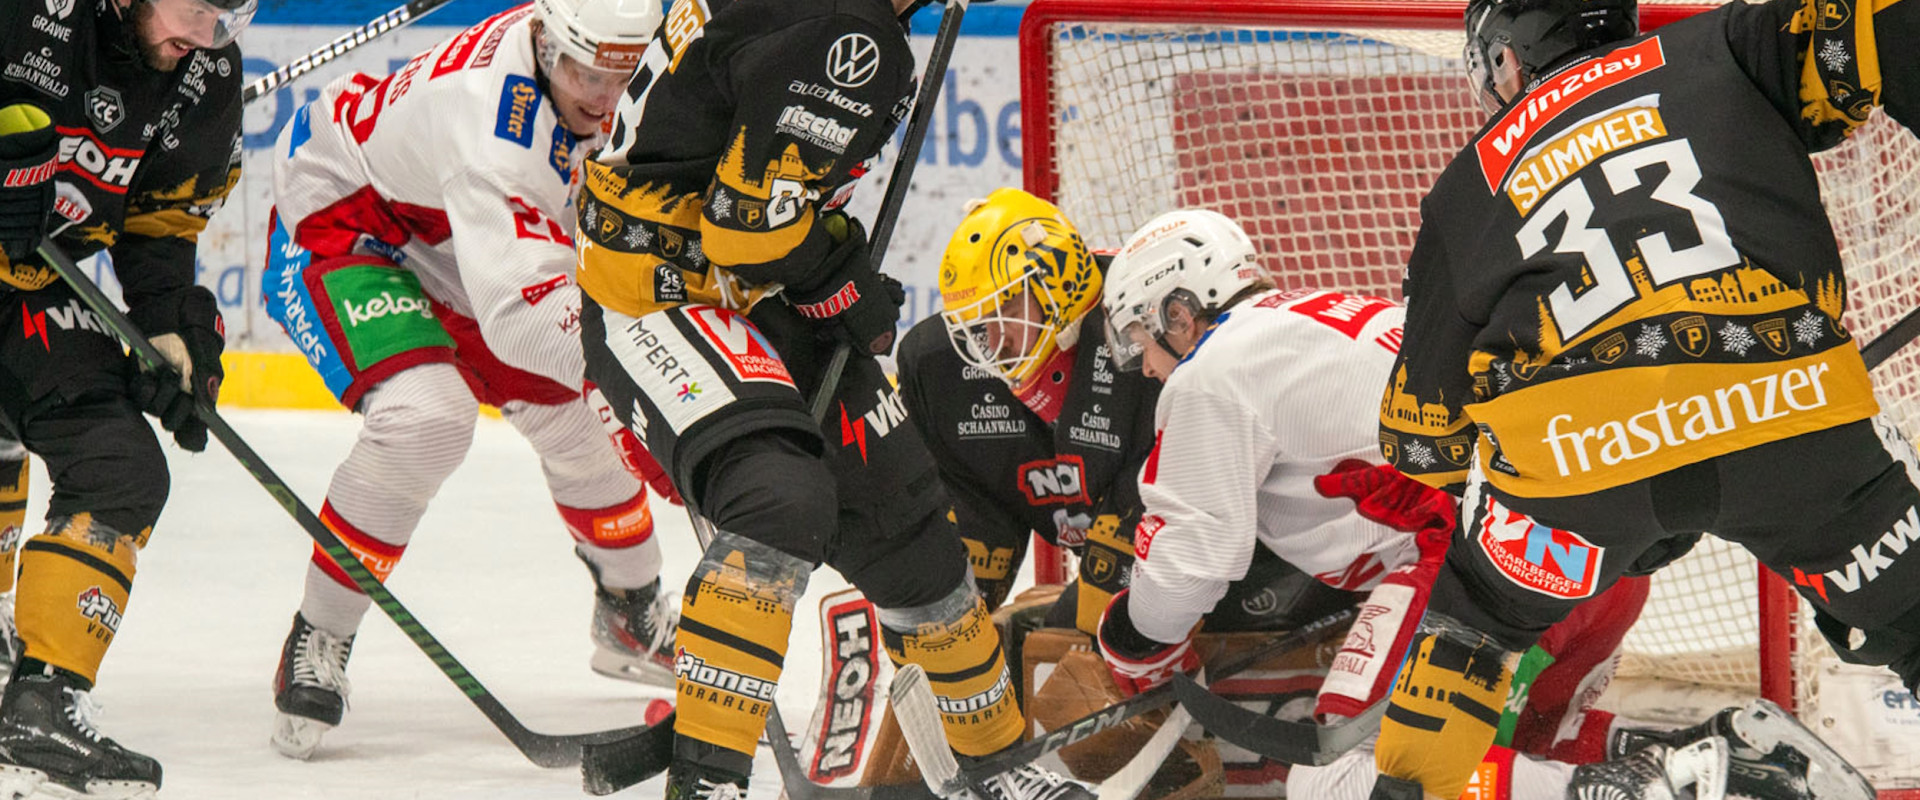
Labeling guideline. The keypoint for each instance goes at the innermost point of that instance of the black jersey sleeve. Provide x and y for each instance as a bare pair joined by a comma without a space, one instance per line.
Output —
792,150
1430,386
186,179
1825,65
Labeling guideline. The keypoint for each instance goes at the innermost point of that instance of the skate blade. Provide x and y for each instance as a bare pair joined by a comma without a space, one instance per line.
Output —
297,737
1704,765
630,668
1829,776
20,783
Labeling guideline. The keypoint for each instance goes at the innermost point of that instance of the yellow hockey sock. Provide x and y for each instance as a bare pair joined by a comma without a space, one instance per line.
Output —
955,641
1443,713
732,642
13,516
74,583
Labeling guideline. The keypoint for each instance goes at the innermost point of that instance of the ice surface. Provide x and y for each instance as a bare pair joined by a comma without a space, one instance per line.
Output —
491,573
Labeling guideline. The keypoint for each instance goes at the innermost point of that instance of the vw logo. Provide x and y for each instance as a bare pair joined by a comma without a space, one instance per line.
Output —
852,60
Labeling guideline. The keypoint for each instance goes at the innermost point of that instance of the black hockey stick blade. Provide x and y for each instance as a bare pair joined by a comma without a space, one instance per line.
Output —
542,749
608,767
1280,740
1897,336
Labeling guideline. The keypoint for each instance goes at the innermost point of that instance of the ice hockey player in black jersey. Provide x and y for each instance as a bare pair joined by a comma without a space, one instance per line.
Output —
1625,328
719,272
119,131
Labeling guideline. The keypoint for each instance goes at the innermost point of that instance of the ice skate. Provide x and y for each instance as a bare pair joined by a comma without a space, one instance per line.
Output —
1032,782
9,639
1772,755
309,689
1656,771
633,634
49,747
692,779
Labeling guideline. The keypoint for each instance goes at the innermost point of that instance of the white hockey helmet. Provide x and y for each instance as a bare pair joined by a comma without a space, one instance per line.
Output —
1194,257
606,35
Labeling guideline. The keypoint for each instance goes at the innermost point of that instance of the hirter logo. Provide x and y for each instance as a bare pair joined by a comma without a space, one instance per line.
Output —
1547,560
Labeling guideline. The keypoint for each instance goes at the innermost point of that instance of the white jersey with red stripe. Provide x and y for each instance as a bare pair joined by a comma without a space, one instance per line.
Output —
1283,388
456,167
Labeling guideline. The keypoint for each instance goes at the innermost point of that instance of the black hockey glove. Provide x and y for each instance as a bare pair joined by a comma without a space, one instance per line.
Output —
185,326
29,153
862,305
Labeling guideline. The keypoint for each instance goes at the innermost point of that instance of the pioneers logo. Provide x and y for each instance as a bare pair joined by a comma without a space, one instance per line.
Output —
97,606
693,669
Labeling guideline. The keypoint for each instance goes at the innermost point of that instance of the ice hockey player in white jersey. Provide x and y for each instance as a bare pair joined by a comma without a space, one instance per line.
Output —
422,259
1266,437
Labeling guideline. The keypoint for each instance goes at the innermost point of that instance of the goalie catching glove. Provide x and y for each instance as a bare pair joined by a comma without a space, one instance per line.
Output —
1139,663
185,326
862,304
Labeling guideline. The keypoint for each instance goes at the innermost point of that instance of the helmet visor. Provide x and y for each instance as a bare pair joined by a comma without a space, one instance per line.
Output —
591,86
206,25
1128,337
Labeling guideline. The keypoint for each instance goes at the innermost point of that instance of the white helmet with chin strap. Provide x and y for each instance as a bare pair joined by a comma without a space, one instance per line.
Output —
1194,257
606,35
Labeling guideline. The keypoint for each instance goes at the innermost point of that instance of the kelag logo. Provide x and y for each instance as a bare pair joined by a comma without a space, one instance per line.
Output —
1547,560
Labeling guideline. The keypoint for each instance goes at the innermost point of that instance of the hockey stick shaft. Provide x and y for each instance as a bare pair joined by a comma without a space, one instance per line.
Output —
542,749
931,80
380,26
1896,336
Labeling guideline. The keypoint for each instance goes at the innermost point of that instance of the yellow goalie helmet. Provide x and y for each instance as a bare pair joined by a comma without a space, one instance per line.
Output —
1016,280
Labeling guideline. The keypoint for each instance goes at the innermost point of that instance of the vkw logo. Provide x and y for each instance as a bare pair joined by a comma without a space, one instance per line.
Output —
852,60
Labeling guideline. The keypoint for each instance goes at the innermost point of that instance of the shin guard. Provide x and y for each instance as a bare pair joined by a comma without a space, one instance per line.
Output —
74,584
13,511
955,641
1444,709
732,642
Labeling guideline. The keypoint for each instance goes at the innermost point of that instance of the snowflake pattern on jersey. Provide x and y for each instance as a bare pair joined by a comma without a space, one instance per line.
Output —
1834,55
591,217
1650,342
1736,339
1503,375
696,254
1420,453
720,205
1809,329
639,237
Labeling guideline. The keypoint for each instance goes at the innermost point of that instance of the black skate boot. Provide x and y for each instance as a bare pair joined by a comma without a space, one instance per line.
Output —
702,771
9,638
310,688
1771,754
1696,771
633,633
1032,782
48,743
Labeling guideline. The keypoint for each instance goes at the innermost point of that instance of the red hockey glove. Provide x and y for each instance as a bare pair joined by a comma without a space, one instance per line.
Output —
1380,493
1137,662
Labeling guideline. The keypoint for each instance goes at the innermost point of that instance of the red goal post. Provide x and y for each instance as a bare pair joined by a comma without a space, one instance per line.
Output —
1318,126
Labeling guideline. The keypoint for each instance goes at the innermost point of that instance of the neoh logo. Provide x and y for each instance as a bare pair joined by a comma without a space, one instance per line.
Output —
1547,560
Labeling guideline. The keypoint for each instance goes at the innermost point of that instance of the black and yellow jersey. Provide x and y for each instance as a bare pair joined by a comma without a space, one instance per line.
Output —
146,157
747,119
1629,268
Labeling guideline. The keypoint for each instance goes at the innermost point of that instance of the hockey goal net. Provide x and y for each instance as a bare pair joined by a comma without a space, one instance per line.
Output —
1319,126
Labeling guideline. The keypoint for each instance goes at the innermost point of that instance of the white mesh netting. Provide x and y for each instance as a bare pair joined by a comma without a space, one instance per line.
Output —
1322,142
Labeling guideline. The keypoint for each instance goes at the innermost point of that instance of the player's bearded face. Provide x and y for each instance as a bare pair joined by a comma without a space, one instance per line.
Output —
165,38
586,96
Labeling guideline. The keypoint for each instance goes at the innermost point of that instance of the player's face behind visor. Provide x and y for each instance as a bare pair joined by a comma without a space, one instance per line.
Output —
585,96
1176,273
1015,280
170,30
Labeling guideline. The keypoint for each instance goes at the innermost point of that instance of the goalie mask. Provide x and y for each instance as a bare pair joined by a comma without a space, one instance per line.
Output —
1015,280
1194,257
1510,42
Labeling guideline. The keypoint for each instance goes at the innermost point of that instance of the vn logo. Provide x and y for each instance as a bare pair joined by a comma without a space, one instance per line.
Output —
1868,561
888,412
1547,560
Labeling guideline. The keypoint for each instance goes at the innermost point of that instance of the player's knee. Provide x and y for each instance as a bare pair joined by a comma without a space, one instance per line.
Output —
768,487
105,462
419,423
740,563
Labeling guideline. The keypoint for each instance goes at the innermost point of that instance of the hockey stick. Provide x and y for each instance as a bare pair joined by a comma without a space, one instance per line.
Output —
545,750
1132,778
1153,699
380,26
930,82
1280,740
1896,336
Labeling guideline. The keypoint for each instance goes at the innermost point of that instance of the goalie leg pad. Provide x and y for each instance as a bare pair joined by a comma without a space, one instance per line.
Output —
956,642
1444,708
735,619
74,583
13,508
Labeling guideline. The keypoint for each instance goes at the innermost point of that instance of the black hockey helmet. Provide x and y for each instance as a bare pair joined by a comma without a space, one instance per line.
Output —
222,19
1541,33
